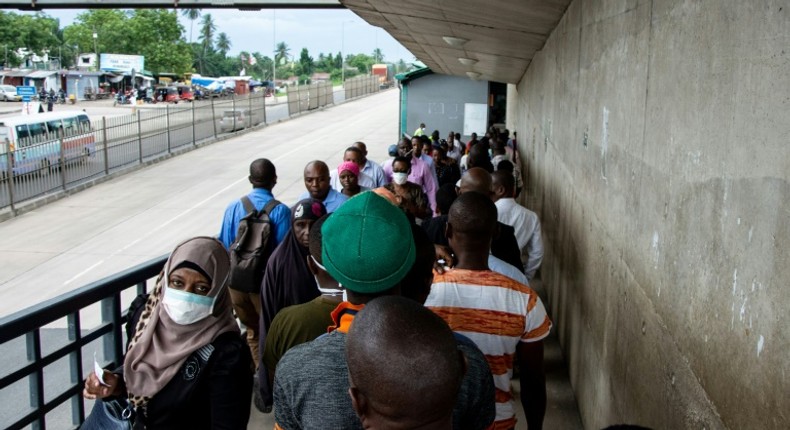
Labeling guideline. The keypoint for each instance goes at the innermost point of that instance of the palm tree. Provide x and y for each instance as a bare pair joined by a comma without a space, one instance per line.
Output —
281,51
207,29
223,43
191,15
378,57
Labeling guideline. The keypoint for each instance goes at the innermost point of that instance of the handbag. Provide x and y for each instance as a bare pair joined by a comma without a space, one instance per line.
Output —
109,415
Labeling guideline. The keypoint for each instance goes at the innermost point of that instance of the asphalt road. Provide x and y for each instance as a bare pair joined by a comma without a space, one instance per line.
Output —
134,218
124,148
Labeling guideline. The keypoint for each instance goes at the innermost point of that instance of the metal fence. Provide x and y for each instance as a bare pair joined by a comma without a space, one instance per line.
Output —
113,144
49,349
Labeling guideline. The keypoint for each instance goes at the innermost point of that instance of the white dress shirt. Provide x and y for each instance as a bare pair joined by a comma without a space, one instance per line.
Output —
527,229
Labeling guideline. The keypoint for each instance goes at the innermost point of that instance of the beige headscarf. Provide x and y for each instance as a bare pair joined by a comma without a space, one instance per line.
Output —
160,346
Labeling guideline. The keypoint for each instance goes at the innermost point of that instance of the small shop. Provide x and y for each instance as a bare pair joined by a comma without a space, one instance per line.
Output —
46,79
83,84
13,77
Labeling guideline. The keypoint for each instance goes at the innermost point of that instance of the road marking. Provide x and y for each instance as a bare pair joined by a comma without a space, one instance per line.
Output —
83,272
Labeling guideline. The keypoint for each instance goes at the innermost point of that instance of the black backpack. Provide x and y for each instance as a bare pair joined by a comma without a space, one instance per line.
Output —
252,247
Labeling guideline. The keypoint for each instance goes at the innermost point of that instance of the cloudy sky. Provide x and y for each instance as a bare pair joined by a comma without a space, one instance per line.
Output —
317,30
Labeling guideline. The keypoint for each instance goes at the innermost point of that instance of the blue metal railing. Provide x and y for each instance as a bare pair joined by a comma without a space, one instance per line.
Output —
28,323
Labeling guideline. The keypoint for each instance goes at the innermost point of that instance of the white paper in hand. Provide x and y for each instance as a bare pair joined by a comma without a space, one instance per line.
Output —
98,370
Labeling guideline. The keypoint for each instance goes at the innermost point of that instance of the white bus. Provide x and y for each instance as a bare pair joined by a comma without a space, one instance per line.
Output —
33,142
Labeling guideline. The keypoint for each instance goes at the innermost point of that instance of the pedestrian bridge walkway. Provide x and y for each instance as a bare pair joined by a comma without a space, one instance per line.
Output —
138,218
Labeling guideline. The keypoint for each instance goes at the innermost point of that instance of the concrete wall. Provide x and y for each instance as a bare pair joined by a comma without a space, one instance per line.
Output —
438,101
658,140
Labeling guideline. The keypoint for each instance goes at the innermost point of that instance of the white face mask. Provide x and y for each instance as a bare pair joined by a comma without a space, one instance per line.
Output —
330,291
186,308
400,178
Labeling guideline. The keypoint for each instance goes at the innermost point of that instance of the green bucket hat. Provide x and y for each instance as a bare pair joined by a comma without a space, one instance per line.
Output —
367,244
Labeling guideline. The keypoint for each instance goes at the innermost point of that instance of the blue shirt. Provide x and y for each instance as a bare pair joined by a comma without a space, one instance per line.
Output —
280,217
376,172
332,201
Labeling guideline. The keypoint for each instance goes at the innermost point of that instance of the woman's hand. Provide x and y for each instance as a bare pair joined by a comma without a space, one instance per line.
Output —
95,390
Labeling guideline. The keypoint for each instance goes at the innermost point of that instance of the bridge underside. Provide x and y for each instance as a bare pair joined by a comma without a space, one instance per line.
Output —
493,40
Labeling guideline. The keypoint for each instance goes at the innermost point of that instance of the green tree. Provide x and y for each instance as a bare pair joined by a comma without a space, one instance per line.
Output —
306,63
378,57
28,34
109,25
155,34
401,66
192,15
223,43
158,36
281,51
362,62
207,29
262,69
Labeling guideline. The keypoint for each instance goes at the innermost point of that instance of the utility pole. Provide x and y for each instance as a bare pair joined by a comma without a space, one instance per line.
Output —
95,47
274,48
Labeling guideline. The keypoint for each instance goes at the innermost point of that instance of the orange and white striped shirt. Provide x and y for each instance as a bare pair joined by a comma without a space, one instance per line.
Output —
496,313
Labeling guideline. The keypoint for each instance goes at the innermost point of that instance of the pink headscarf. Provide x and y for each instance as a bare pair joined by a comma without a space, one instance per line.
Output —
350,166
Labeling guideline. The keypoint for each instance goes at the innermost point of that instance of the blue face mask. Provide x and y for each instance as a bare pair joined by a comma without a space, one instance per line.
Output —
186,308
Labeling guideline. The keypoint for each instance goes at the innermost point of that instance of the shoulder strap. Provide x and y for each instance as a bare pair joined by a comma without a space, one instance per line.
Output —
248,206
270,206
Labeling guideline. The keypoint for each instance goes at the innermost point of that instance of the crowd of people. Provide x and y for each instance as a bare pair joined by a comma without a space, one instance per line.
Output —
392,295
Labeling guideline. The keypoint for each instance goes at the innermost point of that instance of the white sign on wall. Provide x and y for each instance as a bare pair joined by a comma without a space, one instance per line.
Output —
121,63
475,118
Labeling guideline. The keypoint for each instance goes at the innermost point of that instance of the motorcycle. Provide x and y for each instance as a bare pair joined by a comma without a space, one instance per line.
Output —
121,99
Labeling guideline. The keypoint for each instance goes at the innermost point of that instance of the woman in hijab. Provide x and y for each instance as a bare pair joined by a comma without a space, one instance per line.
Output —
186,365
348,174
287,281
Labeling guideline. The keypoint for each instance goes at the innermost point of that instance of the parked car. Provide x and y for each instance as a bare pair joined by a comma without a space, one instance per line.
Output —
243,120
8,94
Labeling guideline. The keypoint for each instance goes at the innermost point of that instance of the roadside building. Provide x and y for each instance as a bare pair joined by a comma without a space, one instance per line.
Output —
46,79
447,103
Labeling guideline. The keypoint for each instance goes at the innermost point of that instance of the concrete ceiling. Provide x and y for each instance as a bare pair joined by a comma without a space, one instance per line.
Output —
502,35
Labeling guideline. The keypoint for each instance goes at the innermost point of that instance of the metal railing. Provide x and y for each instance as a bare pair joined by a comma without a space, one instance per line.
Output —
21,334
150,133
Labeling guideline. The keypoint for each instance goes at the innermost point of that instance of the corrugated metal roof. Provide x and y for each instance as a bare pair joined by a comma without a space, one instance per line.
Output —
40,74
15,73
